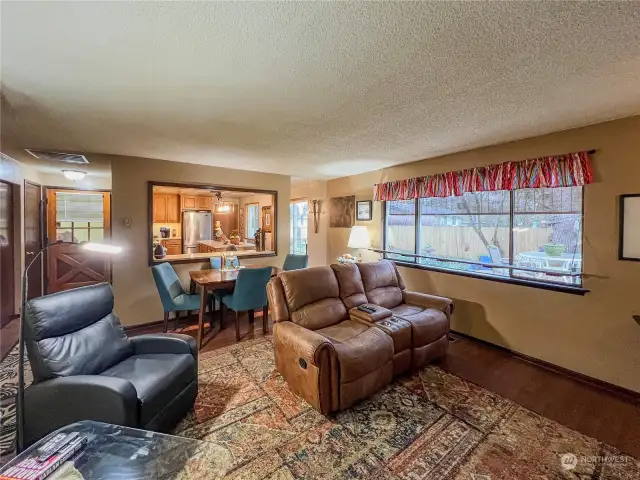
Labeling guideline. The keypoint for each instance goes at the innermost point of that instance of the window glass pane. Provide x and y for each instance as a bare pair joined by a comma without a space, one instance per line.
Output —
476,229
97,234
550,241
548,200
481,202
66,225
253,219
298,214
400,225
96,224
64,234
81,234
79,207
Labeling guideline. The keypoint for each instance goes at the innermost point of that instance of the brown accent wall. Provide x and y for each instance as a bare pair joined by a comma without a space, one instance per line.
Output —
595,334
137,299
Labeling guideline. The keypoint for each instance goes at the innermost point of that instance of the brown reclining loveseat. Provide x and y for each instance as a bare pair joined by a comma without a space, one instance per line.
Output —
333,354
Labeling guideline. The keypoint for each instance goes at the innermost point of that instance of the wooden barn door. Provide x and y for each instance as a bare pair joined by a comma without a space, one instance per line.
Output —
78,216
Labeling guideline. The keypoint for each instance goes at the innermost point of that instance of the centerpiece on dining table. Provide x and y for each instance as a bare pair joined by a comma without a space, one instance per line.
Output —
230,263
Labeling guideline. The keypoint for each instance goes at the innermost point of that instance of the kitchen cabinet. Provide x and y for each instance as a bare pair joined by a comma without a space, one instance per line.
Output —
197,202
166,208
159,208
204,203
173,208
189,202
173,245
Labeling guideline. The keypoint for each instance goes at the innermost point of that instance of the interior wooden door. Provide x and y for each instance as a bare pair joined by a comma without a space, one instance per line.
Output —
33,237
77,216
7,245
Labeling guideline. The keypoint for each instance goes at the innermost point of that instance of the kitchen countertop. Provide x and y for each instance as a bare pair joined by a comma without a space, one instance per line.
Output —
217,244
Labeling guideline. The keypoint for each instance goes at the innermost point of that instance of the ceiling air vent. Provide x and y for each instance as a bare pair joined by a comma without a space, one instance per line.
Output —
74,158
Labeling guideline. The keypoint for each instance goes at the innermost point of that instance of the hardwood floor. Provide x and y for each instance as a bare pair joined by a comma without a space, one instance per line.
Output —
587,408
584,407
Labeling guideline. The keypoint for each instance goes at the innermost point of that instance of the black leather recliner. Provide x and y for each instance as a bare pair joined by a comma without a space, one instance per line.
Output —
86,368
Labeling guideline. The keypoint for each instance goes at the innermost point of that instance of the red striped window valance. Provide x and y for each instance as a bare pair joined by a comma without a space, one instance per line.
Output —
569,170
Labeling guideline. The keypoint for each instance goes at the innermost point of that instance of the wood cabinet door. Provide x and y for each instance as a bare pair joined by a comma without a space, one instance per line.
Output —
159,208
189,202
204,203
173,209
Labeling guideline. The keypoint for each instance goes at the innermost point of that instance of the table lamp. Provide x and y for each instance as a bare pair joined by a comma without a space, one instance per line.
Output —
359,238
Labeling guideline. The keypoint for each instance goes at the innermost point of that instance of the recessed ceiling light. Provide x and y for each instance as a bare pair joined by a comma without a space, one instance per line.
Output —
74,174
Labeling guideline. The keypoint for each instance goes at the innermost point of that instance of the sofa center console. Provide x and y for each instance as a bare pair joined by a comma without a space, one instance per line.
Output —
369,312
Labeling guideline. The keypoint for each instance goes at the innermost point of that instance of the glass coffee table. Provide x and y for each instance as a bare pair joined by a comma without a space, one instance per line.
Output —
126,453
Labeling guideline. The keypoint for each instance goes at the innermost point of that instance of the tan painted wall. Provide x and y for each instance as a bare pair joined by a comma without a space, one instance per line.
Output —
137,299
316,242
595,334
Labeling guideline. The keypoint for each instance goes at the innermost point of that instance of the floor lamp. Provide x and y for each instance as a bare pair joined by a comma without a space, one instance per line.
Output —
94,247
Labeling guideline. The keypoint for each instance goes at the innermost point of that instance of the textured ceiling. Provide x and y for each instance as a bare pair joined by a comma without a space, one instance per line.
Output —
314,90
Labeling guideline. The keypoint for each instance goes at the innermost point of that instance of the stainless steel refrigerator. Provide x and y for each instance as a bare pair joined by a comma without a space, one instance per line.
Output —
196,226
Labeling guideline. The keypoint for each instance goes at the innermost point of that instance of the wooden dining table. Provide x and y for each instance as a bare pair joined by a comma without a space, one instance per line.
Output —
214,279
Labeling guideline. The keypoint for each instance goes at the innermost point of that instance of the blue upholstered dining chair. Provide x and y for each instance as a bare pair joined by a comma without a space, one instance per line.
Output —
172,295
249,294
295,262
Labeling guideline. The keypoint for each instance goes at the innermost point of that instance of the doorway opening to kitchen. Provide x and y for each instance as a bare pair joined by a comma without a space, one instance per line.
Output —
76,216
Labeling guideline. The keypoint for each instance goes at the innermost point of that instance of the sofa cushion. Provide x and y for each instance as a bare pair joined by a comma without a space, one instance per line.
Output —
350,284
313,297
360,349
428,324
381,285
157,377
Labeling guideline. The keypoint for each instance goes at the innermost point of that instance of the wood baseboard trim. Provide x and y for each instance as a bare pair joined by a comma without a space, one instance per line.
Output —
595,382
130,328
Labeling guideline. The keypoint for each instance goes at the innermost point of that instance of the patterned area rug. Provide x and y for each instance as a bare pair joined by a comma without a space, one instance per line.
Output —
429,425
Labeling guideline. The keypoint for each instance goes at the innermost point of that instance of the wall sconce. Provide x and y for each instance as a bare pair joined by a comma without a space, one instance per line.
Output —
316,210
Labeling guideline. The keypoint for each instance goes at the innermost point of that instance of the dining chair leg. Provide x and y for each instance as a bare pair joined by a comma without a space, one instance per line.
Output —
237,326
176,320
252,316
265,320
166,321
223,314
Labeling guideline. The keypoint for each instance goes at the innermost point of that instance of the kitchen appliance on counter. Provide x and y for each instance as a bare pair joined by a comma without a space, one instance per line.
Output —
196,226
165,232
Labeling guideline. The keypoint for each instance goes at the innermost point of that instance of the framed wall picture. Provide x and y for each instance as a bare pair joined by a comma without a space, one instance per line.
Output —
629,235
267,219
364,210
342,212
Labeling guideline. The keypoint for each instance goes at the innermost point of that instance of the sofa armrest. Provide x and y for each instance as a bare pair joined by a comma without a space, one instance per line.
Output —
54,403
443,304
306,343
380,314
165,343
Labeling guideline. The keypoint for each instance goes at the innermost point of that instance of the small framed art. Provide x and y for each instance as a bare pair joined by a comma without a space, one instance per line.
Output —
363,210
629,240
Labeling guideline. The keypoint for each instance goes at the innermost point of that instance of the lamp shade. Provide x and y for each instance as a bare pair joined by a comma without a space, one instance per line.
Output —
359,238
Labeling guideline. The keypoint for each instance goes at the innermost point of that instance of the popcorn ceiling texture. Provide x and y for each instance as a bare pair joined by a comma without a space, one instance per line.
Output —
315,90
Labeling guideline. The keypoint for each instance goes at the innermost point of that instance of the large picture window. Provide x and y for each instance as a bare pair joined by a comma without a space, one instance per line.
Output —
481,233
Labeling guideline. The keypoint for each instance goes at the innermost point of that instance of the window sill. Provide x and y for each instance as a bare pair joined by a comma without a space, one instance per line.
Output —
555,287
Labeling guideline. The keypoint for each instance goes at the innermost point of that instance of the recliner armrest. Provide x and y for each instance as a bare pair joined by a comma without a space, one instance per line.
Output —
165,343
306,343
54,403
443,304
